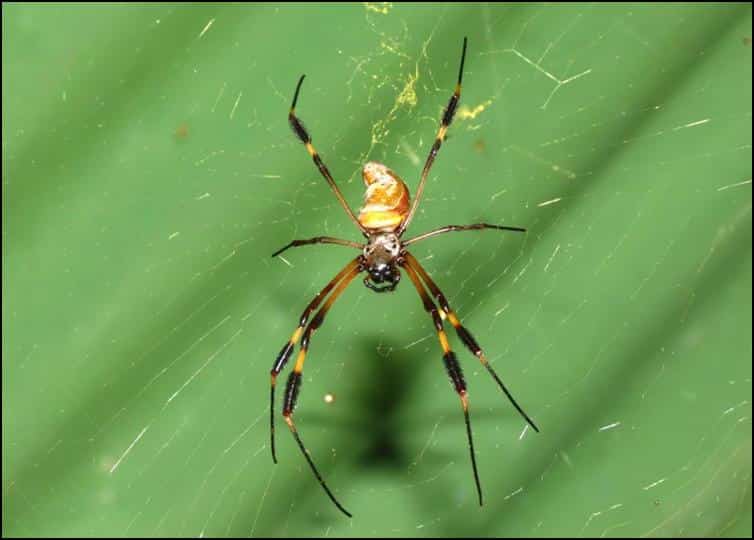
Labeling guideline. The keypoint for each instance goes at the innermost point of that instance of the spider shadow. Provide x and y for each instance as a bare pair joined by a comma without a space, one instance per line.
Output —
373,429
383,389
377,399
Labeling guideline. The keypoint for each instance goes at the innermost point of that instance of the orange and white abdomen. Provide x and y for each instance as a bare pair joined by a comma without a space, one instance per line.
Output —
387,200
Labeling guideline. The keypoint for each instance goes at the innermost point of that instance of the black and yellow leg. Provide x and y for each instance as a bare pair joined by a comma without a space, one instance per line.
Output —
294,380
447,119
451,365
285,353
463,333
304,137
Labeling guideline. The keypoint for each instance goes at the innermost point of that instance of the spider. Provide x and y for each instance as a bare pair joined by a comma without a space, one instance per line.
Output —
385,216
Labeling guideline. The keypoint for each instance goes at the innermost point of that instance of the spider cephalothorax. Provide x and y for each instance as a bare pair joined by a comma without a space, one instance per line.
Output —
380,260
384,217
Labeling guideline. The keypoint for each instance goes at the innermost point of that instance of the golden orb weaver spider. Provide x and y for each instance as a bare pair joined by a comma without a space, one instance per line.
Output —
382,220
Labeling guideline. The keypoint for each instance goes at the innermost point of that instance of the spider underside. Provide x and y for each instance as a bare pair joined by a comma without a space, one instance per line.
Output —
382,220
381,258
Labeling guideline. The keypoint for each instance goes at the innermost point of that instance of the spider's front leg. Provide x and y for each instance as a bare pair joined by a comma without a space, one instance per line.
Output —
451,365
294,379
285,353
463,333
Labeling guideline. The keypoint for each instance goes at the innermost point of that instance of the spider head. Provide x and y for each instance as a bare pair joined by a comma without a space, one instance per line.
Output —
380,260
382,277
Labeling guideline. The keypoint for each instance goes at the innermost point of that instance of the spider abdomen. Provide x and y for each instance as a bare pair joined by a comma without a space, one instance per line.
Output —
387,200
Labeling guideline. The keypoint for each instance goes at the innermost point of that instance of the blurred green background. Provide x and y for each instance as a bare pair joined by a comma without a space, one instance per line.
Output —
149,171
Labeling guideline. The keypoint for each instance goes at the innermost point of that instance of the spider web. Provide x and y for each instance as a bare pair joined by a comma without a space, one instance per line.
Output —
620,138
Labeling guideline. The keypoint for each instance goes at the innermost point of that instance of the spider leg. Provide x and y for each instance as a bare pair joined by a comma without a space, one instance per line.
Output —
294,380
453,228
463,333
304,137
451,365
318,240
447,118
285,353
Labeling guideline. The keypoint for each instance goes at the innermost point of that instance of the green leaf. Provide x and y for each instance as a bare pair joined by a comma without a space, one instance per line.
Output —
149,173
